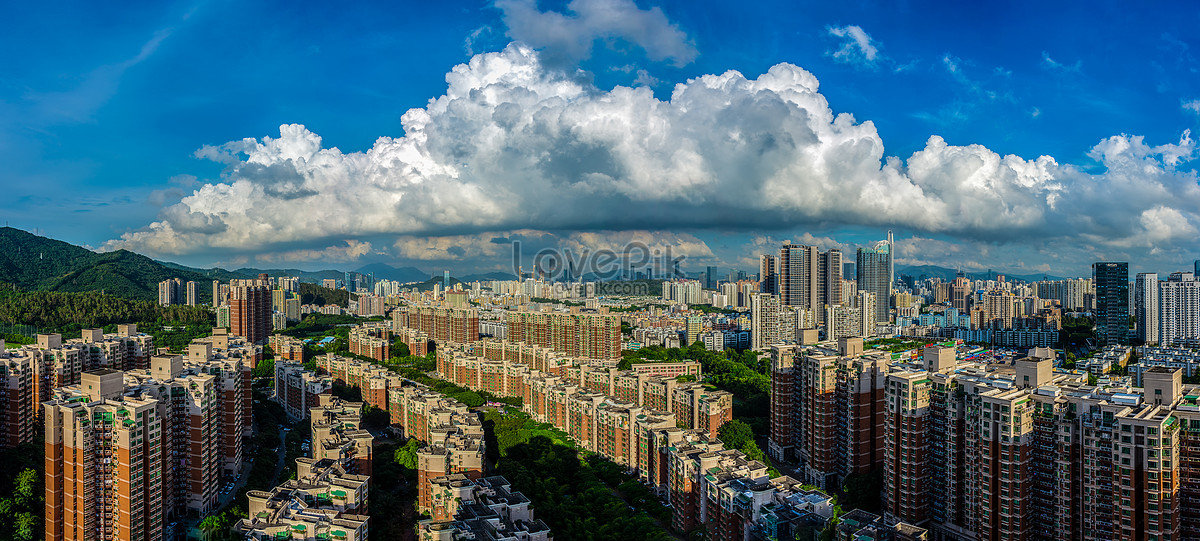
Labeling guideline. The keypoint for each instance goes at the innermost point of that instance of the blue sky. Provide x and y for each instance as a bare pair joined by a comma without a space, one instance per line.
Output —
104,115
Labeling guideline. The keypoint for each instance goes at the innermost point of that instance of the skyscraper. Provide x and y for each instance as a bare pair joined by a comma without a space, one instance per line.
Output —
191,294
829,282
767,278
170,292
1145,306
1112,301
799,267
250,309
103,464
874,268
446,280
710,277
1179,310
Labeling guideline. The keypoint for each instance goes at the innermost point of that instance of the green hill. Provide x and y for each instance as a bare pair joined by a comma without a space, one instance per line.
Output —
37,263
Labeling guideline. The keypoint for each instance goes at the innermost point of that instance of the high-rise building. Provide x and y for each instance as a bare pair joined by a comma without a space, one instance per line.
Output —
1179,310
1112,301
170,292
1145,306
575,333
768,275
799,268
771,322
446,280
827,409
250,309
104,464
874,268
220,293
440,324
829,282
695,326
710,277
960,294
191,294
17,415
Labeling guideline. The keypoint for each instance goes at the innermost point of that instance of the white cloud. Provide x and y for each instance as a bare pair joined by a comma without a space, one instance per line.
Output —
514,145
645,79
857,46
1054,65
568,37
352,251
1193,106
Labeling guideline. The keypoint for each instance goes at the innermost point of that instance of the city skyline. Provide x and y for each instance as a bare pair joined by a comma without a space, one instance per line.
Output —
1041,155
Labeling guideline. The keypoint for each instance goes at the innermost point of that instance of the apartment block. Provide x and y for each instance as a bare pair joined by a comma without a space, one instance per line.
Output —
17,400
324,503
297,389
287,347
250,309
827,409
485,508
337,436
416,341
438,323
455,445
1026,452
104,464
372,341
552,399
575,333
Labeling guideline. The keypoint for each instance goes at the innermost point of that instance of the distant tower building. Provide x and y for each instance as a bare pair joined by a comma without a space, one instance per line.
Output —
1179,309
829,283
170,292
250,309
1112,301
695,326
191,293
874,267
767,279
351,282
1145,306
710,277
891,260
799,266
219,293
446,280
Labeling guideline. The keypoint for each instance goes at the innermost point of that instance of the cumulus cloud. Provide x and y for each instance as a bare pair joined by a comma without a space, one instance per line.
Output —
568,37
514,145
857,46
353,250
1193,106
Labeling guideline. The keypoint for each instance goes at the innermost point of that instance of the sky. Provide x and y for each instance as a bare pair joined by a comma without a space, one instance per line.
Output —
1033,138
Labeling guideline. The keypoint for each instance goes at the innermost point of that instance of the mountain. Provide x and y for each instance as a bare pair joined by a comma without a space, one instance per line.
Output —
314,277
494,275
934,271
39,263
383,271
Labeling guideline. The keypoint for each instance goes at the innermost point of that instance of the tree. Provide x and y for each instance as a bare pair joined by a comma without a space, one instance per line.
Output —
406,455
265,368
211,525
735,434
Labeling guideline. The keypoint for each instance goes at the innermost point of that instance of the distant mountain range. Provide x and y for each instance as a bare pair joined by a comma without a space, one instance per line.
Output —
932,271
43,264
38,263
